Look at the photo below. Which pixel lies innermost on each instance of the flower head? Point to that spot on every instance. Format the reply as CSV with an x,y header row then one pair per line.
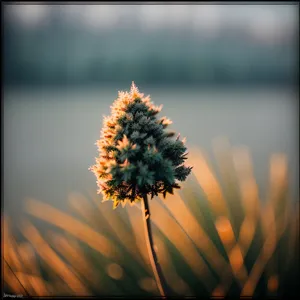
x,y
137,156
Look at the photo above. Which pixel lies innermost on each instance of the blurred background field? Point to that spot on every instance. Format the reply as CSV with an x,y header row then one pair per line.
x,y
154,44
218,70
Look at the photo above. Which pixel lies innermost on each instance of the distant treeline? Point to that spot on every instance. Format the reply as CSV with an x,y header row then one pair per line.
x,y
60,55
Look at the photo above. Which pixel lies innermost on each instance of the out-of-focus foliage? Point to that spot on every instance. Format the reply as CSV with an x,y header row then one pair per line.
x,y
218,240
59,52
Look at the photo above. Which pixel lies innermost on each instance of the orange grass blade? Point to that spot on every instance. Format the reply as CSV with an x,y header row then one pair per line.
x,y
51,258
10,247
208,182
263,258
27,254
247,233
12,258
136,223
247,183
78,229
192,228
294,234
278,177
74,255
183,244
123,232
228,177
148,284
12,281
38,285
120,228
277,205
234,253
177,284
82,206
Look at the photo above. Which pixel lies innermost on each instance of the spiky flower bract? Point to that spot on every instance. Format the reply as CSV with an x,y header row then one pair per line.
x,y
137,155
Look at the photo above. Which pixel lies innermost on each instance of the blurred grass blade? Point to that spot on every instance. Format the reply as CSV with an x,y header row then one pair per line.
x,y
38,286
120,229
177,284
234,253
173,232
14,283
294,233
73,254
193,229
247,183
277,203
266,253
208,182
52,259
82,207
80,230
134,215
247,233
10,247
228,180
28,256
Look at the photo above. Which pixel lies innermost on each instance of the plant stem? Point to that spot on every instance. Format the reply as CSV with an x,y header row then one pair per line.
x,y
160,280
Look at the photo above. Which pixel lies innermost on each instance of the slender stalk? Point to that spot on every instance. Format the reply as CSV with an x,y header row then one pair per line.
x,y
156,268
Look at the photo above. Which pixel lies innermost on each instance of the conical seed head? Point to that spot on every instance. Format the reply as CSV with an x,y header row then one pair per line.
x,y
137,155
